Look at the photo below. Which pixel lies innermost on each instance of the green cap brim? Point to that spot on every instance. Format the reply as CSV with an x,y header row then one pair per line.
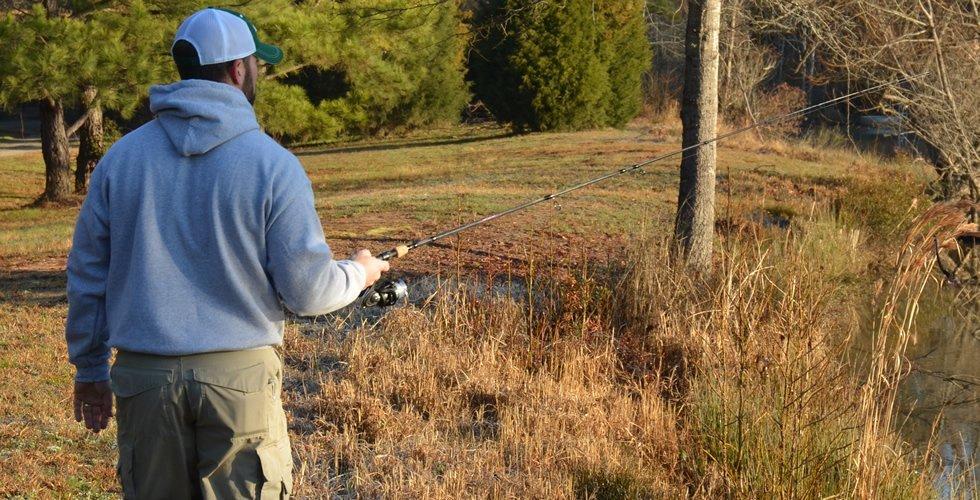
x,y
268,53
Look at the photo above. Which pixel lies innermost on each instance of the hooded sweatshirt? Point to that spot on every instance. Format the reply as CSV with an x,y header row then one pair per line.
x,y
197,229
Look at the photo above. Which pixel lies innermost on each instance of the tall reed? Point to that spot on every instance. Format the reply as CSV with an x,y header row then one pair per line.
x,y
619,383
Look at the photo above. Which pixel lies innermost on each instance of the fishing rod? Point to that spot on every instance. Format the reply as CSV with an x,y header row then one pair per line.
x,y
388,293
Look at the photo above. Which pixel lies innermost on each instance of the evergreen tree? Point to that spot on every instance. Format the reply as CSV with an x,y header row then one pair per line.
x,y
401,65
625,52
56,54
122,57
560,64
361,67
557,58
35,62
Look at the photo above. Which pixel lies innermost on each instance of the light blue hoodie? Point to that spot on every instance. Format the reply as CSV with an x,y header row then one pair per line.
x,y
196,230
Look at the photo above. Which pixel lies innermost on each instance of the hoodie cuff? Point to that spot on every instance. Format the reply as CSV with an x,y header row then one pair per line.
x,y
95,373
361,275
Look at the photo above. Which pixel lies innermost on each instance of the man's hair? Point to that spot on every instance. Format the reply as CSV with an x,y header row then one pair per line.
x,y
189,67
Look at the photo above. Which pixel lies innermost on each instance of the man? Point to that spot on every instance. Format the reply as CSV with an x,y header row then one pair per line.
x,y
197,229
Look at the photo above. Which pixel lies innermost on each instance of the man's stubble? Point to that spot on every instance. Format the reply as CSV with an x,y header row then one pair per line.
x,y
248,85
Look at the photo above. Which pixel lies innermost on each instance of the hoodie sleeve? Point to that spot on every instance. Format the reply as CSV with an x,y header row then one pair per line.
x,y
88,269
309,281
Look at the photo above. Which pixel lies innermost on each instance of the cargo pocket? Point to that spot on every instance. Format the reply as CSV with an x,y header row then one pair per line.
x,y
124,470
130,382
139,401
277,478
235,399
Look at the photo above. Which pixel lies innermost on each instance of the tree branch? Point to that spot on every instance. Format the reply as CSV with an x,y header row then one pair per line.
x,y
291,69
70,131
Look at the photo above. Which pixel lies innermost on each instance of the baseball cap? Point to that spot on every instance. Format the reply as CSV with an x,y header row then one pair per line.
x,y
221,35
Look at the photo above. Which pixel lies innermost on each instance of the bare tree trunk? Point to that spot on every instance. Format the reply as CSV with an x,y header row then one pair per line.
x,y
54,147
694,226
91,145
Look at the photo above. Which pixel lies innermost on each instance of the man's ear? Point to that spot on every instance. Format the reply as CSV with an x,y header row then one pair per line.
x,y
237,72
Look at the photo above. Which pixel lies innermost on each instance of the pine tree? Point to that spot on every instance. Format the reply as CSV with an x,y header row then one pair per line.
x,y
557,58
559,65
122,57
34,60
54,54
360,67
625,52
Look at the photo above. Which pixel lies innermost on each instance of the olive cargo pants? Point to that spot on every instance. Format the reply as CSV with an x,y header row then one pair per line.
x,y
202,426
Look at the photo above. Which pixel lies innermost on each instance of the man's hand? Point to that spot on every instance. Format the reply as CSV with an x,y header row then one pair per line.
x,y
93,403
373,266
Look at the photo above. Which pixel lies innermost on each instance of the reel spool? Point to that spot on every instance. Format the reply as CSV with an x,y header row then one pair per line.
x,y
385,293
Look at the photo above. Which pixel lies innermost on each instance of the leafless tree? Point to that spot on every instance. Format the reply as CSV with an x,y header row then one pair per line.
x,y
746,62
933,44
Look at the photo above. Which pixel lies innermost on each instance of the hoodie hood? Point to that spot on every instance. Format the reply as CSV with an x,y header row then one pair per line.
x,y
200,115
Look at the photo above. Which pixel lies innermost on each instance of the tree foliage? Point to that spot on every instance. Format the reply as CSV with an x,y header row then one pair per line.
x,y
560,65
361,67
626,54
35,56
402,61
55,52
117,49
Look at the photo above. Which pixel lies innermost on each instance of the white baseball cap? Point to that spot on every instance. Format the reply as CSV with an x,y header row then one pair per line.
x,y
222,35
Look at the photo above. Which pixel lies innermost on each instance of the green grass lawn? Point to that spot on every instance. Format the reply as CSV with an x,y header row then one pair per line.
x,y
407,188
376,193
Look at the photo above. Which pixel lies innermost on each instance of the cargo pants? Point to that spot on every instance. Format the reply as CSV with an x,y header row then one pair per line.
x,y
202,426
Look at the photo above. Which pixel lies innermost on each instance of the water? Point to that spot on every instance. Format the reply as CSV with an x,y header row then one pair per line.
x,y
941,394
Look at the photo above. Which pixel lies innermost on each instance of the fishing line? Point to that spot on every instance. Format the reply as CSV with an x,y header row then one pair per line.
x,y
388,292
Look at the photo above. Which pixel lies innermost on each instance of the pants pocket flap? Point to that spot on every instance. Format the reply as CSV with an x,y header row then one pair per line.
x,y
250,379
269,459
277,475
128,382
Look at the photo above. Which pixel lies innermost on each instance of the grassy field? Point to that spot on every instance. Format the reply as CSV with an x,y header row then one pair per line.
x,y
606,374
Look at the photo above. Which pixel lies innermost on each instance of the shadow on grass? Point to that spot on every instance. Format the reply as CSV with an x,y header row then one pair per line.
x,y
73,201
32,288
392,145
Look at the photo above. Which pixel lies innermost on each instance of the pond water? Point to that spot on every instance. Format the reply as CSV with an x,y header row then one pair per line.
x,y
941,395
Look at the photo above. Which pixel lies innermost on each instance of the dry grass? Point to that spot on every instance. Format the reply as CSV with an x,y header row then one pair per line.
x,y
614,380
475,394
641,382
43,452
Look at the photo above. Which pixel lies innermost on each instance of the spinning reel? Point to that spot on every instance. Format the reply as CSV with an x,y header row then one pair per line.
x,y
385,293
